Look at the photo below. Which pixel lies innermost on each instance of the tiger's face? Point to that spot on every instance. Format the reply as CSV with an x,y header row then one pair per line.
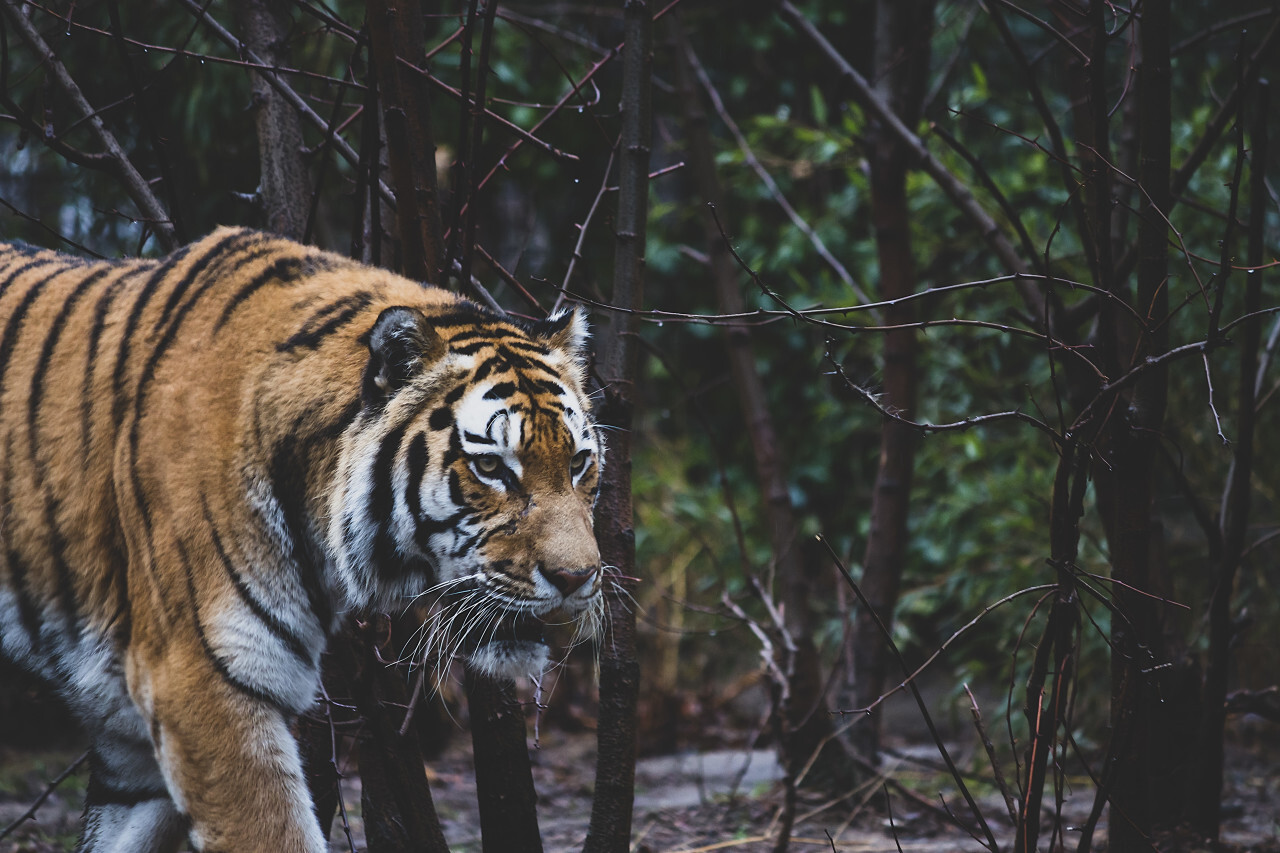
x,y
468,481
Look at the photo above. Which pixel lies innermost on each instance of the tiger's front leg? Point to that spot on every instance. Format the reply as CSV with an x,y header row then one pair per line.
x,y
229,759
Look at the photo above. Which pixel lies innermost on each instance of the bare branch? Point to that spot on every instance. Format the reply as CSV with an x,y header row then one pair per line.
x,y
754,162
271,74
949,183
137,186
49,789
990,840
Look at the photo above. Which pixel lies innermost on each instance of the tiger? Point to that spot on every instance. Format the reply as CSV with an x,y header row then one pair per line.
x,y
208,460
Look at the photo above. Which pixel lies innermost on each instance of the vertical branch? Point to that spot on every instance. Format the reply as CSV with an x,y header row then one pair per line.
x,y
282,182
147,112
152,209
476,114
398,810
1124,475
1057,645
396,33
610,829
902,63
504,777
808,724
1205,795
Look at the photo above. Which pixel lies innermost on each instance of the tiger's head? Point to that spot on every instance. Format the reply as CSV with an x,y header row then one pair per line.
x,y
469,478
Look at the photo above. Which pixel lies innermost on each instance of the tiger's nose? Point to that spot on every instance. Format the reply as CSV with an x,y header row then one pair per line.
x,y
567,581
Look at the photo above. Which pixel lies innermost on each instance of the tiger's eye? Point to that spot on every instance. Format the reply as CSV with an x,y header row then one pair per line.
x,y
487,464
579,462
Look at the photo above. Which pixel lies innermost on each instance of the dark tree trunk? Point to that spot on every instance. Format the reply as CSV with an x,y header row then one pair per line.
x,y
1125,477
611,809
903,30
397,40
1205,780
504,777
808,721
399,814
282,181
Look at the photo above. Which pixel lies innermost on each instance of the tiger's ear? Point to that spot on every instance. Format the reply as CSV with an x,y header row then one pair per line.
x,y
400,342
567,331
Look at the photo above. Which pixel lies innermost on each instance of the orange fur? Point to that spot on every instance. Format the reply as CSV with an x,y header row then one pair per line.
x,y
205,460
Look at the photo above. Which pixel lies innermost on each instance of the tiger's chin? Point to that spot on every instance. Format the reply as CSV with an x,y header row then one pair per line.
x,y
515,648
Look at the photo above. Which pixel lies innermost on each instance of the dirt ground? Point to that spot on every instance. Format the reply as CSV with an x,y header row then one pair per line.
x,y
690,803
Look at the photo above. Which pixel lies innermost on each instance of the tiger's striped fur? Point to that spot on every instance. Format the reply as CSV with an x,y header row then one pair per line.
x,y
206,459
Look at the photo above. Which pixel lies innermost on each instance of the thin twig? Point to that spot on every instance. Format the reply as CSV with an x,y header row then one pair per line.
x,y
1009,801
937,652
157,217
990,842
271,74
765,178
954,188
48,790
1217,421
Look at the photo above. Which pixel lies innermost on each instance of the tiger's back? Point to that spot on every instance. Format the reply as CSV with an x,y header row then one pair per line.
x,y
206,459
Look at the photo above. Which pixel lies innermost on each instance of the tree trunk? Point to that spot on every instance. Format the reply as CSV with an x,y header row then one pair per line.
x,y
282,182
808,724
397,36
1205,781
611,808
399,815
504,777
903,30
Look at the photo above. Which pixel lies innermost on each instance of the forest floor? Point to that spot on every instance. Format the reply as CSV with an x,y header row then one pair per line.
x,y
724,800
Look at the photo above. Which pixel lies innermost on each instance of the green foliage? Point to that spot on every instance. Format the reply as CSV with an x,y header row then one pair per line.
x,y
980,497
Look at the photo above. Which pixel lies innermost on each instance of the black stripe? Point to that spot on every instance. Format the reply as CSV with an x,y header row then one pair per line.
x,y
526,347
219,665
548,386
386,557
469,349
468,543
428,527
311,335
246,290
441,418
382,496
27,267
417,461
489,365
46,354
478,439
228,243
500,391
282,269
28,614
9,339
149,369
455,489
18,250
288,489
131,324
281,631
100,311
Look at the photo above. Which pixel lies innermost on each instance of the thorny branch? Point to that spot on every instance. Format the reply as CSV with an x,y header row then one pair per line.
x,y
48,791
